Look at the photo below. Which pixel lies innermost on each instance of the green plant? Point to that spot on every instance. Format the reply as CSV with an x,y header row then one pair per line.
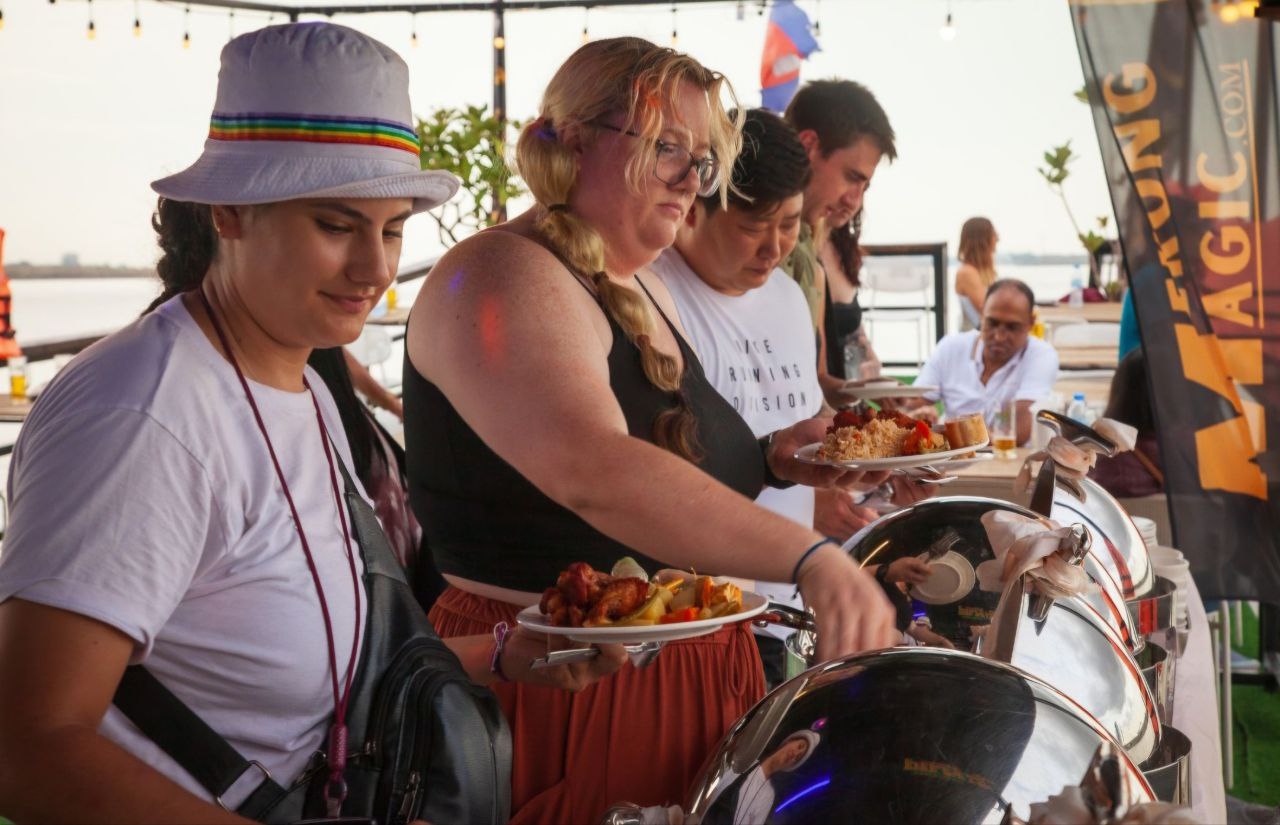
x,y
1055,173
470,143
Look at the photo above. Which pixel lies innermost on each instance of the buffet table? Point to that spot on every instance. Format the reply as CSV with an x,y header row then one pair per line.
x,y
1195,707
1195,713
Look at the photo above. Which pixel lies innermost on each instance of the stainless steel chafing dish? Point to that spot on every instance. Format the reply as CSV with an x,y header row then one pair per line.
x,y
1066,643
1117,542
953,525
905,735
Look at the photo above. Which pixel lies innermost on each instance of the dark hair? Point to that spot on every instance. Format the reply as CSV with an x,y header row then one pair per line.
x,y
771,167
846,241
188,243
841,112
1012,283
1130,399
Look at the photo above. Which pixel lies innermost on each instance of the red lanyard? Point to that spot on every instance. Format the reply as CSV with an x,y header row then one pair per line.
x,y
336,789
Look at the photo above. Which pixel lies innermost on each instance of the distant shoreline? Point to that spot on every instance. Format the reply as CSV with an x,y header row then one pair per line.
x,y
24,271
21,272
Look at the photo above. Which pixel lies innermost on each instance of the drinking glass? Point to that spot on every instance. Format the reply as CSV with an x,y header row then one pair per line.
x,y
18,378
1004,435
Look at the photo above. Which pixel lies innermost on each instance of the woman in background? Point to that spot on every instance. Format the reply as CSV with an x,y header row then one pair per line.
x,y
977,271
849,354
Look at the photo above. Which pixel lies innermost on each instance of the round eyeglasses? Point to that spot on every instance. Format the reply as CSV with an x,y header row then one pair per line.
x,y
675,162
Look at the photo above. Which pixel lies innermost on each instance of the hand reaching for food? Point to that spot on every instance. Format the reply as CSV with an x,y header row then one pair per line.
x,y
907,570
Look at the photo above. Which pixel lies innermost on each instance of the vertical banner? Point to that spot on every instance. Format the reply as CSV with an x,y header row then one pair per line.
x,y
1184,104
787,42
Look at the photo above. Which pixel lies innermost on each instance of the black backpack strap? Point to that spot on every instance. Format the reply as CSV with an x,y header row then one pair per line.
x,y
178,731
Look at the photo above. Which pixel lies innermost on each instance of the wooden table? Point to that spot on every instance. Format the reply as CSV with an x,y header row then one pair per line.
x,y
1088,358
991,477
13,411
391,318
1107,312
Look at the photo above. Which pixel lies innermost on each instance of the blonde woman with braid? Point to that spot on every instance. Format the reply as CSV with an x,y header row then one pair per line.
x,y
977,270
554,413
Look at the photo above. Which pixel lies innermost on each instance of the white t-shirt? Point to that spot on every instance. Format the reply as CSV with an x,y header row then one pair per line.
x,y
142,495
758,350
955,367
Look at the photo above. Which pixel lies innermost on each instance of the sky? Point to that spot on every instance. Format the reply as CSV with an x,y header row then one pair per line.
x,y
85,125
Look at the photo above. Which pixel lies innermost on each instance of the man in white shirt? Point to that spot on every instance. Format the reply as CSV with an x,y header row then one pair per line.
x,y
746,318
979,370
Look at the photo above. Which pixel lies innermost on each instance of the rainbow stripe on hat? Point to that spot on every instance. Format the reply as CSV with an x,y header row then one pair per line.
x,y
312,129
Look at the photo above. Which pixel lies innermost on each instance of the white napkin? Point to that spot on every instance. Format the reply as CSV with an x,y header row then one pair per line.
x,y
1026,546
1159,813
1070,808
1076,460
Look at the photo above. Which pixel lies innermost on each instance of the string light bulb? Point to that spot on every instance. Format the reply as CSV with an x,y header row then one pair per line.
x,y
186,28
948,30
675,34
499,42
817,19
1,18
1229,13
586,25
413,30
92,31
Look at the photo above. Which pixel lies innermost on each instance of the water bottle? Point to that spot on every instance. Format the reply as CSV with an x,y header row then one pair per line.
x,y
1078,409
1077,291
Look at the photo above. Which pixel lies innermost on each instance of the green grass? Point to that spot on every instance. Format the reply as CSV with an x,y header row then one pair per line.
x,y
1256,731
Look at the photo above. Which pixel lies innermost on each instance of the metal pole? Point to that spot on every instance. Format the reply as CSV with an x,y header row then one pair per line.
x,y
498,210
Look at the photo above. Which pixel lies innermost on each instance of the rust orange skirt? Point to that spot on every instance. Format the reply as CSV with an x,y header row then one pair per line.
x,y
639,736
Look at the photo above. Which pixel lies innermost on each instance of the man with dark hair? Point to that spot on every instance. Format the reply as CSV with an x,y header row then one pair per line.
x,y
748,321
845,134
977,371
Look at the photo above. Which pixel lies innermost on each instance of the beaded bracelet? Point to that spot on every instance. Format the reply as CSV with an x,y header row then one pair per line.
x,y
795,573
500,631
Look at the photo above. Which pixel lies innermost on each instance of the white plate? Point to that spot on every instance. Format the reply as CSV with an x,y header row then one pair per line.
x,y
809,455
951,579
865,392
532,618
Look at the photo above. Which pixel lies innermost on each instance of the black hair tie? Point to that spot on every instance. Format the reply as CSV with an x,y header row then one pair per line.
x,y
558,207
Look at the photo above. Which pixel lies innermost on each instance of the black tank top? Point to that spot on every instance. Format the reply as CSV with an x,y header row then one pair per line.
x,y
484,521
841,321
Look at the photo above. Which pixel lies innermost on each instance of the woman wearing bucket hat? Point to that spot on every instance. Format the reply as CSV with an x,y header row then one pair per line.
x,y
175,492
555,414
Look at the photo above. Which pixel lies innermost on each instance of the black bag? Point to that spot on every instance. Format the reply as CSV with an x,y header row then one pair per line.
x,y
425,742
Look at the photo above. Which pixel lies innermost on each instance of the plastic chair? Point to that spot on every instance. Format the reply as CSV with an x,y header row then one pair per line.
x,y
903,290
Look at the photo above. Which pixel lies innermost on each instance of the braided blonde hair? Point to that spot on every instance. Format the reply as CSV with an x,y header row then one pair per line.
x,y
633,77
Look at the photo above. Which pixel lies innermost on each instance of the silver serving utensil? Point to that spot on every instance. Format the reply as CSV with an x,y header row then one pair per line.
x,y
928,474
640,654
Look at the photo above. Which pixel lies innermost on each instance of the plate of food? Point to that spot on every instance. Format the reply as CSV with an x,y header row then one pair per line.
x,y
627,606
882,388
881,440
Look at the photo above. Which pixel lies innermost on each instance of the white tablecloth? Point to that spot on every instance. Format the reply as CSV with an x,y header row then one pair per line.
x,y
1195,713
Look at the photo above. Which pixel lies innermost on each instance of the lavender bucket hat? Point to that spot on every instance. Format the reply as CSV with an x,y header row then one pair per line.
x,y
309,110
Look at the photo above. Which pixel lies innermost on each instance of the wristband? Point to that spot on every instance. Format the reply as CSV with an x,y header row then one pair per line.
x,y
500,631
770,479
795,573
